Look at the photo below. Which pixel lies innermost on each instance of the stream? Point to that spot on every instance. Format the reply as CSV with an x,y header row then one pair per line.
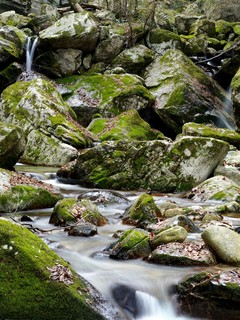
x,y
150,283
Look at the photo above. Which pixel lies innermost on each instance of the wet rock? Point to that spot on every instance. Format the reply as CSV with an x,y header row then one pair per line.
x,y
19,192
194,253
84,229
69,211
133,244
104,197
142,212
158,165
218,188
224,242
173,234
211,294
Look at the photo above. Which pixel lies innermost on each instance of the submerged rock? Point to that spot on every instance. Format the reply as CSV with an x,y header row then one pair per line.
x,y
32,276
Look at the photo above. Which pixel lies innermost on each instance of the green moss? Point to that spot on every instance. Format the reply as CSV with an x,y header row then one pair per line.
x,y
61,214
22,197
26,290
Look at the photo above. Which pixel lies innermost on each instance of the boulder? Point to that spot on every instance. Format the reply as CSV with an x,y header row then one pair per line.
x,y
230,167
19,192
218,188
82,229
12,144
59,63
222,9
46,119
202,130
14,19
224,242
34,293
105,197
160,40
235,89
194,253
12,41
76,30
70,211
211,294
184,93
142,212
174,234
128,125
133,244
112,93
157,165
108,49
134,60
9,75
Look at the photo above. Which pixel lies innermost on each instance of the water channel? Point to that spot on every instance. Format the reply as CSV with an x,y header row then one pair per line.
x,y
151,283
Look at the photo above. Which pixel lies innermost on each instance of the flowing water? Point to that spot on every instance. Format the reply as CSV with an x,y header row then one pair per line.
x,y
30,50
150,284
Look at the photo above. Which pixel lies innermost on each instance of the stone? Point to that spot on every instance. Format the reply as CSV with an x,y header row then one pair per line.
x,y
174,234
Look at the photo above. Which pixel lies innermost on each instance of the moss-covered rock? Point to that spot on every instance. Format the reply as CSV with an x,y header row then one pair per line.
x,y
214,294
201,130
218,188
160,40
29,289
133,244
174,234
12,144
128,125
37,105
76,30
113,94
142,212
69,211
157,165
9,75
230,166
184,93
134,60
109,48
19,193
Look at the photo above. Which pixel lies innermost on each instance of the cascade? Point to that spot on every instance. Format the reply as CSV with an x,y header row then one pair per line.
x,y
30,50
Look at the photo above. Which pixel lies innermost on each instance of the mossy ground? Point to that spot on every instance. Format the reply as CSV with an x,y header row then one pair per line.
x,y
26,290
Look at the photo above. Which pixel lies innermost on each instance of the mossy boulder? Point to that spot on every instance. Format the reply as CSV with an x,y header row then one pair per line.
x,y
235,88
11,18
202,130
184,93
37,107
142,212
112,93
160,40
12,41
194,253
76,30
222,10
9,75
128,125
224,242
218,188
70,211
12,144
157,165
174,234
18,193
230,166
134,60
214,294
133,244
203,26
38,284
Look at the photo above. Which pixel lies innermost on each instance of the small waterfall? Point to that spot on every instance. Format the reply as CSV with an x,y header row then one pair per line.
x,y
150,308
30,50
